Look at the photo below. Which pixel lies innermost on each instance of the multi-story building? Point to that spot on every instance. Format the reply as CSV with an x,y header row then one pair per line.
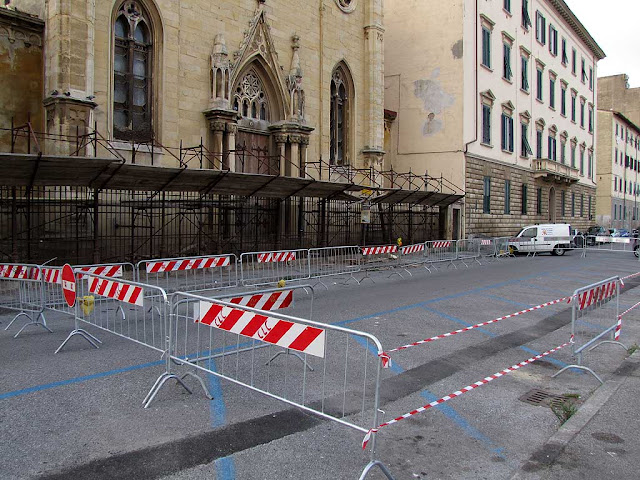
x,y
500,96
618,171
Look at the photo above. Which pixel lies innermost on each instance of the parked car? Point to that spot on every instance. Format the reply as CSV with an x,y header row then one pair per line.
x,y
618,232
596,231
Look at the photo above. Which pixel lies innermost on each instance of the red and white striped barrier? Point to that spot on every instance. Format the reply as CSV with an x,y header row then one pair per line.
x,y
379,250
294,336
485,242
619,324
52,275
466,389
413,249
446,244
104,270
188,264
597,294
266,301
17,272
385,355
270,257
119,291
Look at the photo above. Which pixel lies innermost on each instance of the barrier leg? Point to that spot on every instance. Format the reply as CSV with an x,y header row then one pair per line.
x,y
162,379
579,367
375,463
84,334
615,342
35,322
286,351
199,378
320,282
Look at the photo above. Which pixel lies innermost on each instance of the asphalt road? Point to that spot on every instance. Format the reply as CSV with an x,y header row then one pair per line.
x,y
78,414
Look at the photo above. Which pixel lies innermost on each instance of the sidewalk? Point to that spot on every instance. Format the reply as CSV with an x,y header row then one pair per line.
x,y
600,440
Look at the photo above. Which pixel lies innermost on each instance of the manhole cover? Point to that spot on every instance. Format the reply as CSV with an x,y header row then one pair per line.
x,y
540,397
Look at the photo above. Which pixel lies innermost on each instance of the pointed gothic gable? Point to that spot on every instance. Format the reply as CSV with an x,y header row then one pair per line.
x,y
258,44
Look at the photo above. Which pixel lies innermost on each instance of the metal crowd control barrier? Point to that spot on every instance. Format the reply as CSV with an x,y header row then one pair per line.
x,y
334,262
263,268
604,243
594,316
377,257
343,387
53,298
487,247
190,274
502,247
21,290
412,256
440,251
468,251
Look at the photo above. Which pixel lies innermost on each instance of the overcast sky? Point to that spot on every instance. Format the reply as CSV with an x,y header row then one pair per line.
x,y
614,25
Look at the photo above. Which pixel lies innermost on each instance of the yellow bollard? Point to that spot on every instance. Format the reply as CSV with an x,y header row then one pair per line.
x,y
87,303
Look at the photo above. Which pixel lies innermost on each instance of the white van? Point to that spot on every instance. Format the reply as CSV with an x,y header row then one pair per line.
x,y
553,238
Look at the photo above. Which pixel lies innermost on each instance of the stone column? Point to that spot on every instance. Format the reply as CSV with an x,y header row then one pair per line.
x,y
374,81
218,127
295,155
232,129
304,144
281,143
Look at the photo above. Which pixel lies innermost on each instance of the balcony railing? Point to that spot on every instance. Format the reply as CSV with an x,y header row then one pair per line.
x,y
554,171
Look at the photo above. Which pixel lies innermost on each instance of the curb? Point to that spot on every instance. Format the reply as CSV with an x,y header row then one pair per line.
x,y
551,450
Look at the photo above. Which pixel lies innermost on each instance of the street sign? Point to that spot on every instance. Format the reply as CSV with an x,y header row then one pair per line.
x,y
69,285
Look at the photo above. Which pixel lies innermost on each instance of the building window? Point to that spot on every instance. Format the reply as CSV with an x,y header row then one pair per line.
x,y
552,146
582,100
573,204
552,92
615,157
523,207
563,150
132,74
553,40
582,161
339,116
584,72
538,143
565,58
524,72
539,83
563,203
573,106
539,201
590,166
506,62
486,124
507,132
507,196
590,119
249,98
541,28
573,155
591,78
582,205
563,100
526,20
486,200
507,5
525,148
486,47
574,60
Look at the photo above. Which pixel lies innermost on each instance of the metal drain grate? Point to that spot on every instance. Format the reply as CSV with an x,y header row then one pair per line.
x,y
540,397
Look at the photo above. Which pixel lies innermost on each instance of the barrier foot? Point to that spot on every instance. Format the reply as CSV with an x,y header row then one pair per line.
x,y
16,317
319,282
579,367
43,325
395,273
162,379
451,264
199,378
286,351
372,465
84,334
364,278
615,342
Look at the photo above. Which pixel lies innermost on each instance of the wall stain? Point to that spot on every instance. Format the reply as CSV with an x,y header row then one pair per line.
x,y
457,49
435,101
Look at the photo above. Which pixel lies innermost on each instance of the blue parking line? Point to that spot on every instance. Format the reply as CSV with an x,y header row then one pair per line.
x,y
445,409
506,300
225,467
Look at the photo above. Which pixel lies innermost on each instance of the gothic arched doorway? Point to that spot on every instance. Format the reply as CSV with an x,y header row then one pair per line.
x,y
552,205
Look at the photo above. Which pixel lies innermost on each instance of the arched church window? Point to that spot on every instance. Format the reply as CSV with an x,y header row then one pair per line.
x,y
250,93
132,73
339,116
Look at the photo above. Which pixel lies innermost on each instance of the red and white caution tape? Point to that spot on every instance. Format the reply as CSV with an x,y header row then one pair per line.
x,y
413,249
104,270
120,291
385,362
379,250
466,389
616,334
188,264
631,276
271,257
294,336
440,244
266,301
